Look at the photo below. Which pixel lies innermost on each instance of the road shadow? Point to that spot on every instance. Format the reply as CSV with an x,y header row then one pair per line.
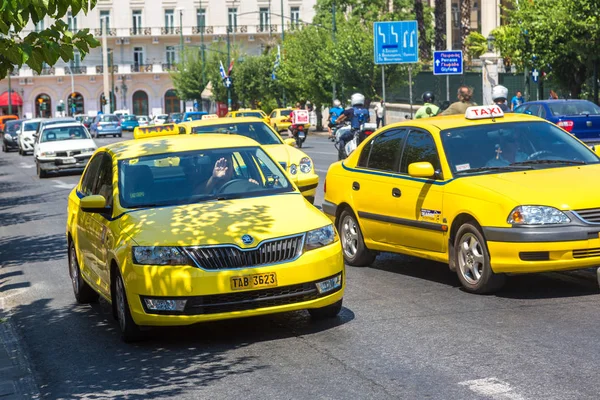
x,y
19,250
416,268
37,199
16,218
77,351
64,172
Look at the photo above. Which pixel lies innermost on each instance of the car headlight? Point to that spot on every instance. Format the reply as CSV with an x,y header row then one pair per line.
x,y
158,255
7,136
306,165
537,215
90,150
47,153
293,169
320,237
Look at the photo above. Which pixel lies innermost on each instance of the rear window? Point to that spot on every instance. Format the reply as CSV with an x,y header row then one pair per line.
x,y
574,108
109,118
130,118
251,114
286,113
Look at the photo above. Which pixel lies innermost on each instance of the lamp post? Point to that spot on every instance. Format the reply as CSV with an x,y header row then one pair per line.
x,y
202,27
228,64
9,92
180,33
123,91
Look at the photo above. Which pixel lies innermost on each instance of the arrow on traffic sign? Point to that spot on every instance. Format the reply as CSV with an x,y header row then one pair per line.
x,y
437,62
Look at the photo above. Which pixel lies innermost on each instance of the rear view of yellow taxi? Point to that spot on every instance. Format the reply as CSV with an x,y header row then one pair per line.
x,y
178,230
487,193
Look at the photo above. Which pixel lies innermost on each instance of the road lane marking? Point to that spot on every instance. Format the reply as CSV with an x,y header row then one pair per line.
x,y
25,165
492,388
323,171
63,185
332,153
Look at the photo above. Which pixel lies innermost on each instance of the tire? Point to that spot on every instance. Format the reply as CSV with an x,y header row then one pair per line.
x,y
130,331
472,261
120,135
4,149
299,143
327,312
40,172
83,292
355,252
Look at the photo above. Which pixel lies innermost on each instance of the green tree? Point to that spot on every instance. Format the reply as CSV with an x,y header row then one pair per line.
x,y
476,45
47,46
214,56
189,78
255,86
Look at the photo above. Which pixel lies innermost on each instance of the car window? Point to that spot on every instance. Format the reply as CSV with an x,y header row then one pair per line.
x,y
272,115
104,183
258,131
385,151
573,107
31,126
109,118
286,113
251,114
89,177
12,126
130,118
156,180
64,133
420,147
521,109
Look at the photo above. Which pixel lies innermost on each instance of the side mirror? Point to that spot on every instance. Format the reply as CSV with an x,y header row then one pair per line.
x,y
93,204
421,170
289,141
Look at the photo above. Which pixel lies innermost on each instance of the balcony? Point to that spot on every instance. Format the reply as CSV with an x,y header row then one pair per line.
x,y
170,30
100,69
45,71
141,67
78,70
208,30
109,32
169,67
140,31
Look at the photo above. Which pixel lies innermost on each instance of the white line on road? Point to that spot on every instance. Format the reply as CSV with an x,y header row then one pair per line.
x,y
323,171
63,185
25,165
332,153
492,388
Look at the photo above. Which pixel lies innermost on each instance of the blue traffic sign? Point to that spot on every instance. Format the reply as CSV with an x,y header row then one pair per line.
x,y
448,62
535,75
396,42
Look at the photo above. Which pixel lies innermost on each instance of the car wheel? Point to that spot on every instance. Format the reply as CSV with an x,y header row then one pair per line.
x,y
353,245
472,262
130,331
120,135
40,172
83,292
327,312
4,148
275,128
20,151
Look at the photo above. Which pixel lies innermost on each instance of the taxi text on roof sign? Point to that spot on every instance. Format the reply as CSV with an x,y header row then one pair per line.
x,y
210,116
483,112
142,132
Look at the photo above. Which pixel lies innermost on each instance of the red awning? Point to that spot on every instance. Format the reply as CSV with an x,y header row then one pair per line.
x,y
15,99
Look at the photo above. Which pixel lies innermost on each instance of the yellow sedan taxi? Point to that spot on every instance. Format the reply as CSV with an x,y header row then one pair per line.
x,y
297,163
487,193
177,230
280,119
247,112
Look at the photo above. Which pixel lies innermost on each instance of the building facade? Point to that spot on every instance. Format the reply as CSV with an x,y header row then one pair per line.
x,y
144,39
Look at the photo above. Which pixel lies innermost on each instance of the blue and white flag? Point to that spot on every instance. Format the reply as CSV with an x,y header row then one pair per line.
x,y
276,65
222,70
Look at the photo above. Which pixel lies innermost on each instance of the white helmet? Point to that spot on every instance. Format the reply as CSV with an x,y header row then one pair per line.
x,y
357,99
499,92
337,103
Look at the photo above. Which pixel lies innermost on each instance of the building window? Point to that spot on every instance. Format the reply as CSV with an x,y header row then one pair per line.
x,y
137,22
201,18
39,26
295,15
263,13
232,13
169,20
105,16
171,55
76,61
138,58
72,21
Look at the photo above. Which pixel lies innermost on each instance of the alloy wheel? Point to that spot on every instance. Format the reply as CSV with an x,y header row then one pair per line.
x,y
74,269
121,304
471,260
349,236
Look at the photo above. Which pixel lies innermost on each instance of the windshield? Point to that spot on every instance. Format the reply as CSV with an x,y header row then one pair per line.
x,y
250,114
573,107
258,131
513,145
12,126
64,133
31,126
197,176
130,118
176,116
109,118
194,117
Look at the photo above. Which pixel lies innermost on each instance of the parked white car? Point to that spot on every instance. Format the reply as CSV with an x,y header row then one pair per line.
x,y
65,146
25,136
143,120
160,119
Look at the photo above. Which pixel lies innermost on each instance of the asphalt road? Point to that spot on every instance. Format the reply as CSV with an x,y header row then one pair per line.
x,y
407,330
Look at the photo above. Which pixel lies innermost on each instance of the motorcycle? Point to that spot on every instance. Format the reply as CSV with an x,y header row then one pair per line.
x,y
298,134
346,147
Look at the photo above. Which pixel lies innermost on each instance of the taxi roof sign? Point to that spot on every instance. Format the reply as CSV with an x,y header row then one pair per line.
x,y
142,132
484,112
210,116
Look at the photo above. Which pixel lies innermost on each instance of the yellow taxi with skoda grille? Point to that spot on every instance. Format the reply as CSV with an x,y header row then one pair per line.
x,y
174,230
486,192
297,163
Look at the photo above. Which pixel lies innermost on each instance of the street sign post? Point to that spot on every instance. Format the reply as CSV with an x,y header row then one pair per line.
x,y
396,42
448,62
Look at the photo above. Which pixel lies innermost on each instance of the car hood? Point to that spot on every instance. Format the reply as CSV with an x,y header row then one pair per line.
x,y
223,222
282,153
566,188
67,145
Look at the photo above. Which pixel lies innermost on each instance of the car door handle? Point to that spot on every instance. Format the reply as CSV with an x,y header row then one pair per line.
x,y
396,192
355,186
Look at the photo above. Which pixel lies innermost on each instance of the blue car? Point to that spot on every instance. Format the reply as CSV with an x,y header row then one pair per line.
x,y
579,117
184,117
106,125
129,123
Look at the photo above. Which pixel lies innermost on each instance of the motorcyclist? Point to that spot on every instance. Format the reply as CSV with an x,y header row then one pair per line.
x,y
429,109
357,115
334,112
291,119
500,96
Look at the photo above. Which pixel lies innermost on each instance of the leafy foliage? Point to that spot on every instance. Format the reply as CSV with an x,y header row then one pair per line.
x,y
189,79
47,46
476,44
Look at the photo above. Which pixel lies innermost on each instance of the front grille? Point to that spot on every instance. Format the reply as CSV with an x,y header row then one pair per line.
x,y
230,257
589,214
586,253
68,153
534,255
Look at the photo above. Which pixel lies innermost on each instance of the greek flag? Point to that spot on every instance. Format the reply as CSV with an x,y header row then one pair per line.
x,y
276,65
222,70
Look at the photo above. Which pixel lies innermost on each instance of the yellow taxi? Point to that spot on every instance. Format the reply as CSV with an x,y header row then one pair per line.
x,y
280,119
487,193
178,230
247,112
297,163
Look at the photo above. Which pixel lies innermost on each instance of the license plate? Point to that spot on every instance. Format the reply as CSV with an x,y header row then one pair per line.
x,y
69,160
301,134
254,281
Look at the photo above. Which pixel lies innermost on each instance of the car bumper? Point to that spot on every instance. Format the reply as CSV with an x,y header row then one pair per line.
x,y
26,145
109,132
11,144
543,249
210,298
62,163
307,184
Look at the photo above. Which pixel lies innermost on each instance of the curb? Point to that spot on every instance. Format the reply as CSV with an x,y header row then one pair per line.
x,y
16,376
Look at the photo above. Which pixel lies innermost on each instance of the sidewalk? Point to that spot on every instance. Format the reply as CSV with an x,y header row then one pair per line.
x,y
16,377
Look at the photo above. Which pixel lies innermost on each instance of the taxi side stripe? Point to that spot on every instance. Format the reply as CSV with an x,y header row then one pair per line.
x,y
396,175
406,222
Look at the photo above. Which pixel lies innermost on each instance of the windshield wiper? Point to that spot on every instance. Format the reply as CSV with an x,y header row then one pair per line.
x,y
534,162
511,167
